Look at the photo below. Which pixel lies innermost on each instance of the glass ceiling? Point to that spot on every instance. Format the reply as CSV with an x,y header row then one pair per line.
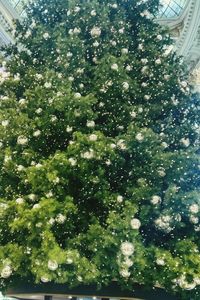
x,y
168,9
18,5
171,8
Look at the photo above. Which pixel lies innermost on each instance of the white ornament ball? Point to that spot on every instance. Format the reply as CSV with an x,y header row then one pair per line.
x,y
124,51
52,265
158,61
127,248
95,32
139,137
93,137
114,5
135,223
36,133
119,199
159,37
5,123
60,218
69,261
46,35
69,129
144,61
77,9
47,85
22,140
6,271
185,142
77,95
113,43
194,220
194,208
164,145
125,273
155,200
147,97
93,13
160,262
45,279
19,200
128,262
184,84
161,172
128,68
38,110
125,86
114,67
90,124
79,278
197,280
96,44
72,161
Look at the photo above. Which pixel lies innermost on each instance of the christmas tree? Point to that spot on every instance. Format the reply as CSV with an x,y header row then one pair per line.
x,y
99,150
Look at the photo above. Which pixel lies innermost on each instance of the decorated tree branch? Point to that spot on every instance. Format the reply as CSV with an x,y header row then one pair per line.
x,y
99,152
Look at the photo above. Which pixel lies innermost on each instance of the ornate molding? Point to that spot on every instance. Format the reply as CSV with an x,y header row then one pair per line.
x,y
186,32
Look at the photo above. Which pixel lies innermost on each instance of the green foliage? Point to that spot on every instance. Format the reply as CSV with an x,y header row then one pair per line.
x,y
99,150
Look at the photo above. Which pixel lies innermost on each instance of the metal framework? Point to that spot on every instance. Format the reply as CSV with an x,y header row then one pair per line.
x,y
171,8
